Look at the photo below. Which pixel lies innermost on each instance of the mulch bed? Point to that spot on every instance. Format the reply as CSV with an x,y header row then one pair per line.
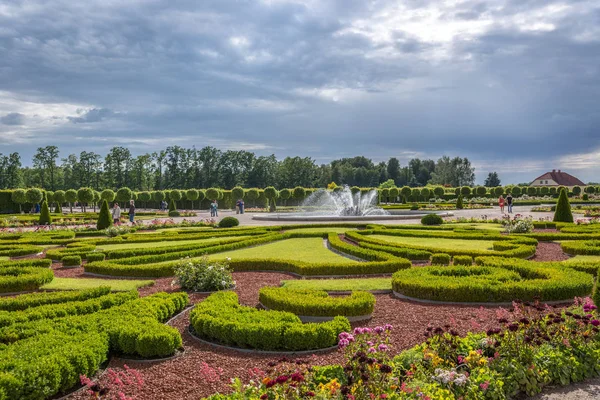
x,y
549,251
181,378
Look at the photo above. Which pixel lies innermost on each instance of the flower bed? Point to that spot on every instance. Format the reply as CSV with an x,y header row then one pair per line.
x,y
222,319
316,303
492,284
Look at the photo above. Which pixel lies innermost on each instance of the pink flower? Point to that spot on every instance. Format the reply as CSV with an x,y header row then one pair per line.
x,y
371,350
382,347
484,385
379,329
595,322
343,343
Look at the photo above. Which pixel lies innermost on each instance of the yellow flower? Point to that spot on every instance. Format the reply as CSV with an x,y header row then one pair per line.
x,y
265,380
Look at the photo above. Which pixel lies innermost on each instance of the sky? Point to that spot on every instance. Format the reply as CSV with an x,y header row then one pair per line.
x,y
514,85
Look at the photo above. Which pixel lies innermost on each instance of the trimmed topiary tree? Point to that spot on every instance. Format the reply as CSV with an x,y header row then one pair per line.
x,y
426,193
354,189
405,191
158,196
192,195
252,195
34,195
85,195
515,191
498,191
552,191
104,218
237,193
285,194
124,194
271,194
459,203
45,218
394,192
212,194
544,190
438,191
432,219
465,190
19,196
480,191
385,194
590,189
108,195
563,208
71,197
174,195
576,190
299,193
532,191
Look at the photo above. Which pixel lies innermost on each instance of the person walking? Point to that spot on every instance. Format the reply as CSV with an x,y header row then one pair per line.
x,y
242,204
131,211
237,206
501,203
509,203
116,214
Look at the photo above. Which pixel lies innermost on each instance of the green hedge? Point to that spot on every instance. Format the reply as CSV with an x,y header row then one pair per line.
x,y
440,259
81,251
462,260
95,257
127,253
588,247
71,261
502,283
22,279
403,252
589,267
316,303
17,250
26,301
222,319
47,356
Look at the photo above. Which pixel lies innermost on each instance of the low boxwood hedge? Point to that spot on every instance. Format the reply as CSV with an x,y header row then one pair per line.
x,y
483,284
589,267
440,259
316,303
586,247
462,260
71,261
17,250
220,318
95,256
403,252
81,251
26,301
22,279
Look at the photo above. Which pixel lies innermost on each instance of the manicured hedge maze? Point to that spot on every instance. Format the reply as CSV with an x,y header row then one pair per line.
x,y
24,275
588,247
221,319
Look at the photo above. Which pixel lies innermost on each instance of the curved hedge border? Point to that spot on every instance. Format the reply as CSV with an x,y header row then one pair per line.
x,y
403,252
81,251
26,301
24,275
589,267
316,303
222,319
18,250
503,246
587,247
486,284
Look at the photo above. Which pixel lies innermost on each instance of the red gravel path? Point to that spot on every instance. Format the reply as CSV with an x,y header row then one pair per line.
x,y
181,378
549,251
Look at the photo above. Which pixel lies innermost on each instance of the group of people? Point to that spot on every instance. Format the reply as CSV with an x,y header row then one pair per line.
x,y
508,201
116,213
239,206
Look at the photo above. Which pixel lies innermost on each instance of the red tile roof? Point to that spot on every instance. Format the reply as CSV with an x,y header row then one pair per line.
x,y
561,178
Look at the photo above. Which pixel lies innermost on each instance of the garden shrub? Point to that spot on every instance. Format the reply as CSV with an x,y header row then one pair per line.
x,y
563,208
71,261
462,260
459,203
432,219
96,256
502,283
26,301
316,303
587,247
440,259
228,222
19,276
222,319
104,218
45,218
81,250
204,275
403,252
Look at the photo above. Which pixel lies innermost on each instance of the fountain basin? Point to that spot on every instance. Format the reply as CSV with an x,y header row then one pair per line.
x,y
316,217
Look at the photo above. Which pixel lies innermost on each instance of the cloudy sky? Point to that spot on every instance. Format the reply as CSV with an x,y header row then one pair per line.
x,y
512,84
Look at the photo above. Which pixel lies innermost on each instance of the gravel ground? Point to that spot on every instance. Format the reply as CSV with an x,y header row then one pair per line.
x,y
549,251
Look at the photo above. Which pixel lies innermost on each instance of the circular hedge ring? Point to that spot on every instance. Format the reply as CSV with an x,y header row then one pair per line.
x,y
587,247
484,284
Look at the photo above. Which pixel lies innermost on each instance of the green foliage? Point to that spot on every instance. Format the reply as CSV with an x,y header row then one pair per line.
x,y
204,275
505,281
316,303
212,194
228,222
145,196
394,192
438,191
285,194
59,196
24,275
172,206
175,195
440,259
158,196
563,208
104,217
222,319
96,256
19,196
459,203
34,195
515,191
85,195
462,260
25,301
405,191
432,219
498,191
576,190
71,261
480,191
58,208
465,190
108,195
590,189
587,247
124,194
45,218
237,193
299,193
425,192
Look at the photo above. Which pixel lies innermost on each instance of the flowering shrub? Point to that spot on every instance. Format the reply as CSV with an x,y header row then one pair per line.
x,y
204,275
518,224
115,385
114,231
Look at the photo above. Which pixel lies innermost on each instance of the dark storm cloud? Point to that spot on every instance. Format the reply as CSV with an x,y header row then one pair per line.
x,y
13,119
495,81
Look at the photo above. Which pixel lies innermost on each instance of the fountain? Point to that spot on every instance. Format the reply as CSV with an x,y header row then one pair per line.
x,y
342,205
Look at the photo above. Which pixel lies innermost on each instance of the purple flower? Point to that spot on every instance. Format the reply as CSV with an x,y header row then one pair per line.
x,y
343,335
379,329
382,347
371,350
387,327
358,331
343,343
350,338
595,322
370,344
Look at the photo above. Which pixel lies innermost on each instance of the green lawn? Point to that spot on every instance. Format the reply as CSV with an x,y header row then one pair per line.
x,y
321,230
340,284
481,226
305,249
3,258
109,247
439,243
116,285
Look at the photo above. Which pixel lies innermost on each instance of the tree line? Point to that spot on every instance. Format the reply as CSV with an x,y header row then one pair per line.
x,y
181,168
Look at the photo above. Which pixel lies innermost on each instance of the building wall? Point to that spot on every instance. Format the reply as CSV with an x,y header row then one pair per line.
x,y
544,182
